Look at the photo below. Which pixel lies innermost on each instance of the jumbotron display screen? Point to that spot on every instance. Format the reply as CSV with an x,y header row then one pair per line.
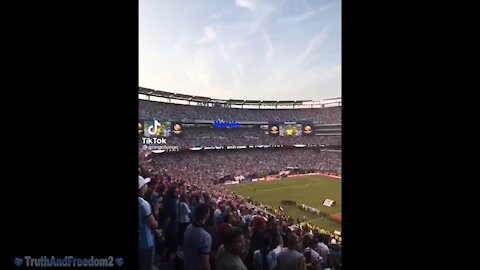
x,y
291,130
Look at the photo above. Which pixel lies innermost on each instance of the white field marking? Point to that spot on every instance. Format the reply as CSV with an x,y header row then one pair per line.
x,y
314,219
294,186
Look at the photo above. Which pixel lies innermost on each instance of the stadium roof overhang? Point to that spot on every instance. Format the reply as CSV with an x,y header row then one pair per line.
x,y
268,102
145,91
170,95
236,101
200,99
155,93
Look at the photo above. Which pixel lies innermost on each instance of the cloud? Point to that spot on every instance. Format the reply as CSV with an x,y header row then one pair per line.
x,y
268,45
308,83
208,35
199,76
315,41
233,49
253,49
291,20
238,74
223,53
334,72
248,4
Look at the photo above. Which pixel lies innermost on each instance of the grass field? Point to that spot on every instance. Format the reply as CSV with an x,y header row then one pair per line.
x,y
310,190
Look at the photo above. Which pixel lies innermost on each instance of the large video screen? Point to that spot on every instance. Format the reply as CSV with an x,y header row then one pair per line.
x,y
291,130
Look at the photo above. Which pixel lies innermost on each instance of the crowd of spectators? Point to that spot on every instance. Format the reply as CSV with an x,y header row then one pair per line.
x,y
213,165
177,112
221,231
205,136
189,220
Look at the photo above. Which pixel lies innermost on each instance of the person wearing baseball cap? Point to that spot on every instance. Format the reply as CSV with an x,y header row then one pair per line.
x,y
259,223
147,225
142,182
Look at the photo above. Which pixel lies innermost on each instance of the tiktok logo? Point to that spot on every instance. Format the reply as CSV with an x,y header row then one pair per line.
x,y
153,129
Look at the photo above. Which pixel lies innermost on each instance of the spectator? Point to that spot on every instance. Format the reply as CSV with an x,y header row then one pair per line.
x,y
322,249
197,241
335,261
152,197
312,258
219,235
147,225
183,217
170,225
260,239
228,255
273,254
290,258
193,205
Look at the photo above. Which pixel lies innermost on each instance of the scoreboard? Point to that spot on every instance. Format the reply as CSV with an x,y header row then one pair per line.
x,y
290,129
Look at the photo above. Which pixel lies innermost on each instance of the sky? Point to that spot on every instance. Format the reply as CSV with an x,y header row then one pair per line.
x,y
241,49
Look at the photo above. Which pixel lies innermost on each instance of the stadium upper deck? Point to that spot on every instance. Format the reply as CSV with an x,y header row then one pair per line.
x,y
166,105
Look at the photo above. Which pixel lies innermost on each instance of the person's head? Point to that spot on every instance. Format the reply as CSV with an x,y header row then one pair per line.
x,y
142,185
172,192
259,223
212,201
294,242
228,217
333,242
308,241
320,238
233,240
151,186
183,198
193,199
237,220
247,231
202,213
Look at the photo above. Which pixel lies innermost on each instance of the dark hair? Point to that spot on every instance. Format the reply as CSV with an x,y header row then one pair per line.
x,y
231,234
202,211
152,183
171,192
320,238
292,241
226,217
183,198
193,199
245,228
210,221
308,240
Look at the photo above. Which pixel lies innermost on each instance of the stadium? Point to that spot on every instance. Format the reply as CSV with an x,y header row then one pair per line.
x,y
248,160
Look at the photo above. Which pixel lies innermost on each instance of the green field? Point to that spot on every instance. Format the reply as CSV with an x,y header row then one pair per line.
x,y
310,190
